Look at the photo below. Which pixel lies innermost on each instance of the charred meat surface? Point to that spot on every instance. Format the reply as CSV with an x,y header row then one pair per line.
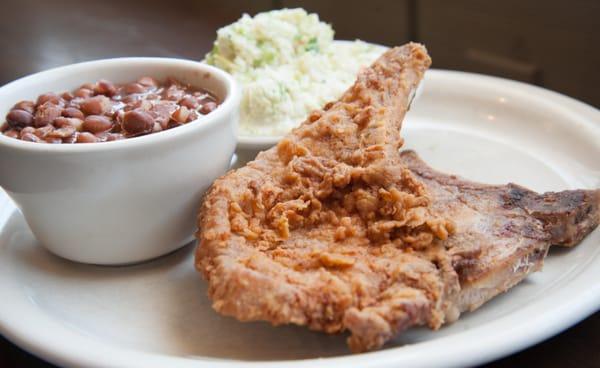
x,y
502,232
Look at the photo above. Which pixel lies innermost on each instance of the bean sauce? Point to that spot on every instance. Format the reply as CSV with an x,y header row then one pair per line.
x,y
105,111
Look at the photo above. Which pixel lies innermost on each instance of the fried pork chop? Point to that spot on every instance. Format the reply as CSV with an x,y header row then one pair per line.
x,y
332,230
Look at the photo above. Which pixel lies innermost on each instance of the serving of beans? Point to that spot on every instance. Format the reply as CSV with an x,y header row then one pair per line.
x,y
105,111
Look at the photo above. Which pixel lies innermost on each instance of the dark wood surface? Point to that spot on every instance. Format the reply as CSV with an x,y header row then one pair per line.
x,y
37,35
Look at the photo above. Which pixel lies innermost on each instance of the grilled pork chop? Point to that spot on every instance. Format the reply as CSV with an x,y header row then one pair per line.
x,y
330,229
503,232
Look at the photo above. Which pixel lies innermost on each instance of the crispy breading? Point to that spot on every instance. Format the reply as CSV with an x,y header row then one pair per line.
x,y
328,229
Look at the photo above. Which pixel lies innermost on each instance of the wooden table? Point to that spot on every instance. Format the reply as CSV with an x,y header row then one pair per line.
x,y
38,35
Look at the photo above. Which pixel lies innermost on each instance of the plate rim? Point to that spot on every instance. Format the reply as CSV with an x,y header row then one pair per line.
x,y
46,345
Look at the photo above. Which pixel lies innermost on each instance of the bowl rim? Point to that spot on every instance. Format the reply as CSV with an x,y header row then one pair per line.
x,y
230,102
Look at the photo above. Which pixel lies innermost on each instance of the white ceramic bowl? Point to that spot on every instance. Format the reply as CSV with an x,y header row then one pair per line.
x,y
124,201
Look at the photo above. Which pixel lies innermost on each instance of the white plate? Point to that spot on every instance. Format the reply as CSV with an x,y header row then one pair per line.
x,y
157,314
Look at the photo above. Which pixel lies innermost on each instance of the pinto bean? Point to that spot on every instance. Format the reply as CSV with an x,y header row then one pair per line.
x,y
137,122
96,124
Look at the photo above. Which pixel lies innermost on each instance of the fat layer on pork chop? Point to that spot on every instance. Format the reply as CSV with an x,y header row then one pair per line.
x,y
332,230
